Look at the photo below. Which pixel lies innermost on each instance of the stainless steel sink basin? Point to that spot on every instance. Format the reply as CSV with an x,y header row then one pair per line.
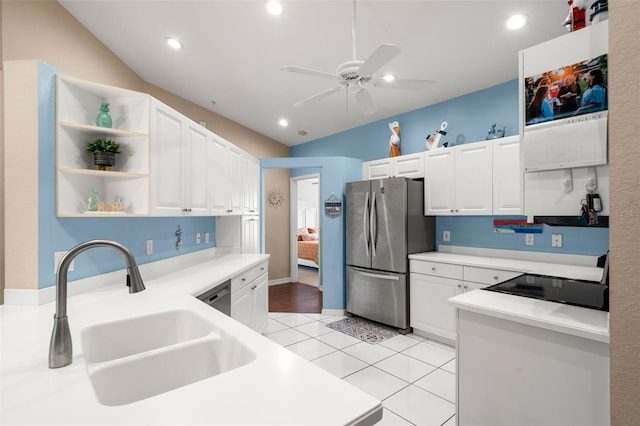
x,y
117,339
136,358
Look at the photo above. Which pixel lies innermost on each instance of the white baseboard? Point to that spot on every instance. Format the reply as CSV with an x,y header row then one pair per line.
x,y
279,281
333,312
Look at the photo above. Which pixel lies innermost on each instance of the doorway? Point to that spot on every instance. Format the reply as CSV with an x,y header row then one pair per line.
x,y
306,234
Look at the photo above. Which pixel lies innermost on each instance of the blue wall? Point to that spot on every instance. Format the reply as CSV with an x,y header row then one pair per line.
x,y
469,118
334,172
61,234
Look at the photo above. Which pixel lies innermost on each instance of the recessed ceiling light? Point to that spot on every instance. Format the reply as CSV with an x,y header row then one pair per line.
x,y
517,21
283,122
274,7
389,77
173,43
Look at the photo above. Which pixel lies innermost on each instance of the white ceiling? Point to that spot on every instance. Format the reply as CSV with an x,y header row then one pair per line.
x,y
233,51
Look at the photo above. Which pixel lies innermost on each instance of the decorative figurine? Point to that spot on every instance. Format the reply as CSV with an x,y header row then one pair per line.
x,y
104,119
92,201
434,139
496,134
394,139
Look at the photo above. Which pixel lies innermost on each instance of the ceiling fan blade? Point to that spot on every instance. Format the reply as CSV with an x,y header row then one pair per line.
x,y
400,83
366,103
381,56
307,71
317,96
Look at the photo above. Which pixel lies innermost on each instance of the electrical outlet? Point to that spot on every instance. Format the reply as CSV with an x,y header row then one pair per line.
x,y
529,239
206,237
198,238
556,240
446,236
149,247
58,257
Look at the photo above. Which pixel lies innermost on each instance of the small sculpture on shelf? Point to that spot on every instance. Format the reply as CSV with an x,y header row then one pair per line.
x,y
433,140
92,201
104,153
496,134
394,139
104,119
116,207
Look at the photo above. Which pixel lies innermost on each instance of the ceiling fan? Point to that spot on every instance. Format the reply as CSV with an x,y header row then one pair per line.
x,y
358,74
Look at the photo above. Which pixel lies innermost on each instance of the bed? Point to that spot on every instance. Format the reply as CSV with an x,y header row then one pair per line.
x,y
308,235
308,248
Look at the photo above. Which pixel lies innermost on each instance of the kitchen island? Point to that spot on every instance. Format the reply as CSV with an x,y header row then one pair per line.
x,y
276,386
530,362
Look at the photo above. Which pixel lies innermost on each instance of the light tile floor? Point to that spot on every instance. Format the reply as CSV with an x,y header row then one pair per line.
x,y
414,377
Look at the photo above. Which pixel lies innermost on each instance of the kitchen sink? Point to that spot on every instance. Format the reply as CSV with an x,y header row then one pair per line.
x,y
117,339
136,358
131,379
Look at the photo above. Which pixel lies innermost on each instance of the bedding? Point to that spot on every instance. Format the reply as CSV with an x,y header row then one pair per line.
x,y
309,250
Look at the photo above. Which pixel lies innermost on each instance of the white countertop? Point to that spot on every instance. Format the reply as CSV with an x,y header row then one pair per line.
x,y
277,388
582,322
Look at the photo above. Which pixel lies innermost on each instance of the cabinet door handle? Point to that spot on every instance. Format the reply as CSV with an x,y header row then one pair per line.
x,y
243,280
466,287
457,210
433,268
451,210
459,285
495,277
254,287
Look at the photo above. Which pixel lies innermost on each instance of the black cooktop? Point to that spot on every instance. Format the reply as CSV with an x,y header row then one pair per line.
x,y
587,294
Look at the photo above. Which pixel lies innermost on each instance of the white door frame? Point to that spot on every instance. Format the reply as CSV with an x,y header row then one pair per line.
x,y
293,220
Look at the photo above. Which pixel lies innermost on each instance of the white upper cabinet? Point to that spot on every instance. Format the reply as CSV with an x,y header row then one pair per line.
x,y
250,185
507,176
77,107
234,180
178,164
438,182
411,166
218,155
458,180
473,179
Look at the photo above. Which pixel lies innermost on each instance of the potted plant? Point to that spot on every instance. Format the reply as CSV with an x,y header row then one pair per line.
x,y
104,153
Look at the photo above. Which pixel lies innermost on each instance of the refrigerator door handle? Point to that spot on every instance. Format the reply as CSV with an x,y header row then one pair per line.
x,y
373,224
381,277
365,225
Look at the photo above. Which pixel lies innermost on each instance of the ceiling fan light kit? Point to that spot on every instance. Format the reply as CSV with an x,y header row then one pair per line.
x,y
358,74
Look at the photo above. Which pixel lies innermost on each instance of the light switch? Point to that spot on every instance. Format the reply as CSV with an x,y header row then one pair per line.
x,y
149,247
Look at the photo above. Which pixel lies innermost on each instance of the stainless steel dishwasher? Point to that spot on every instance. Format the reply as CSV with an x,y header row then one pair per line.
x,y
219,297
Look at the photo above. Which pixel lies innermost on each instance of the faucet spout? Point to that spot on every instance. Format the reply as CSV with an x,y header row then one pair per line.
x,y
60,348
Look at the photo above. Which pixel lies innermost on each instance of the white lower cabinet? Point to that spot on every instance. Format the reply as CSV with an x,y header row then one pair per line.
x,y
429,310
431,284
249,297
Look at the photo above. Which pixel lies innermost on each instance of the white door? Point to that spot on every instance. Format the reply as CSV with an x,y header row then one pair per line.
x,y
411,166
438,182
196,170
234,182
378,169
507,177
241,309
260,289
218,154
473,179
429,306
166,160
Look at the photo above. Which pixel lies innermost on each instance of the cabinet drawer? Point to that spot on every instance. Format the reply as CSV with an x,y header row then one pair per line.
x,y
487,275
446,270
244,278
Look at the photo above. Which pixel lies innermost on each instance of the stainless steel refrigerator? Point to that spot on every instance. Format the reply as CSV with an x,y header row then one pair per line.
x,y
385,224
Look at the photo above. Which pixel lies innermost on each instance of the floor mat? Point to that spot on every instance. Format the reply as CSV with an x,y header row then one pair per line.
x,y
362,329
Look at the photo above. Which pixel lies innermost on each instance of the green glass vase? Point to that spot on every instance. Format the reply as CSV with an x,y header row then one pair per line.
x,y
104,120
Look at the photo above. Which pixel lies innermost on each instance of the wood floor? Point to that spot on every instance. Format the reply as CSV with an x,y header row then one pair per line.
x,y
295,297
